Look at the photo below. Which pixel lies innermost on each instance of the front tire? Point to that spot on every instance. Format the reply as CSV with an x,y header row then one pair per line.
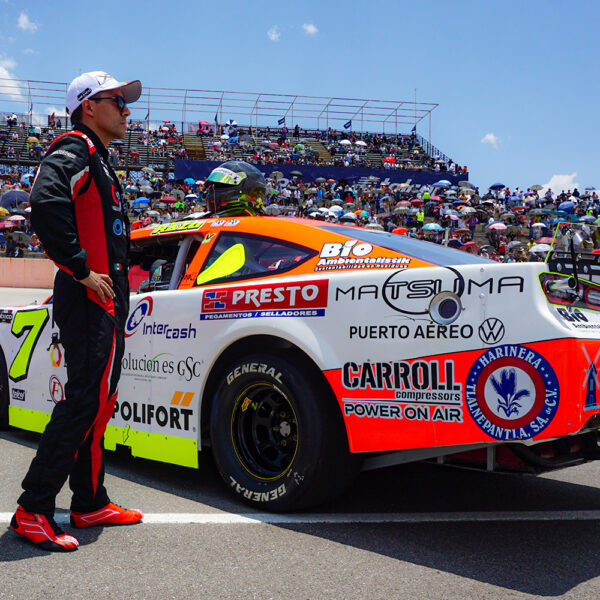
x,y
277,434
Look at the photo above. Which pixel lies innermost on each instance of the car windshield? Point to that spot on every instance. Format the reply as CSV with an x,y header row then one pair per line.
x,y
434,253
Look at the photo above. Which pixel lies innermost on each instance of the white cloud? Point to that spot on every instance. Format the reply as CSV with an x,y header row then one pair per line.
x,y
558,183
310,29
8,84
274,33
491,139
25,24
29,51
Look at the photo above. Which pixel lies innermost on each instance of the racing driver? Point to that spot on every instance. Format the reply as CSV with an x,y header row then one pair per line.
x,y
78,213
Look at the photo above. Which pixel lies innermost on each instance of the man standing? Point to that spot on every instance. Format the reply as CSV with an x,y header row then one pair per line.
x,y
77,210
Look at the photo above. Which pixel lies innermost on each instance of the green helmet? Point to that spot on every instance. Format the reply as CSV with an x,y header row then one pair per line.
x,y
238,189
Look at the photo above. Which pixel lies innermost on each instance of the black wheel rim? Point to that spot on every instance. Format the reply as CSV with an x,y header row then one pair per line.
x,y
264,430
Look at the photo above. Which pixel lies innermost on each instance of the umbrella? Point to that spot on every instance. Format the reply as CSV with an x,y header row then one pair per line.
x,y
148,170
454,243
131,189
399,230
360,143
538,225
535,188
539,248
140,201
436,198
376,226
153,213
272,209
513,244
401,209
587,219
320,180
498,226
299,146
168,199
544,240
416,201
146,188
276,174
433,227
191,197
470,247
16,218
13,197
497,186
33,139
467,210
7,224
443,183
295,173
568,205
118,143
189,181
231,122
465,184
345,142
224,137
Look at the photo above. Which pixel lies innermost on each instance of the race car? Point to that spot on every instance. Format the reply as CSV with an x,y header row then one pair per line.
x,y
301,351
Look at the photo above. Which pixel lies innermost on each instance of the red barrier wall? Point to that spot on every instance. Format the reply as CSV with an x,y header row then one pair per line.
x,y
26,272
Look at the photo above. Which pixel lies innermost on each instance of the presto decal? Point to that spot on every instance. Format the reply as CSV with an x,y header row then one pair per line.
x,y
302,299
512,392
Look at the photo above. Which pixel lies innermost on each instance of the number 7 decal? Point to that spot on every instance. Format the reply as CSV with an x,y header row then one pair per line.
x,y
32,321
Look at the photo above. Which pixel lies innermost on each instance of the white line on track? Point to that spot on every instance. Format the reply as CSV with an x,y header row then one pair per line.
x,y
348,518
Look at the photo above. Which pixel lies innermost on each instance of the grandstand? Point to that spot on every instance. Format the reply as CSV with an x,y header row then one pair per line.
x,y
171,124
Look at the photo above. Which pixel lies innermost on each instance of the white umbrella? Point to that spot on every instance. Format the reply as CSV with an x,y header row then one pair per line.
x,y
535,188
224,137
337,208
540,248
360,143
152,213
374,226
148,170
538,225
272,209
345,142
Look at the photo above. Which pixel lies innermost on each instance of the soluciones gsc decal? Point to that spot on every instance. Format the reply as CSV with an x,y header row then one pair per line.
x,y
188,367
512,392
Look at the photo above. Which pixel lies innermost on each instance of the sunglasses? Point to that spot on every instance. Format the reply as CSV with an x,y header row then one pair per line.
x,y
121,104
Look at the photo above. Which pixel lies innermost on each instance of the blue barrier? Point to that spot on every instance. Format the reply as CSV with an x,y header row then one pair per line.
x,y
199,169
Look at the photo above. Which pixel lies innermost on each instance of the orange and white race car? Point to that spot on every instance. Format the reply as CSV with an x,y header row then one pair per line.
x,y
301,351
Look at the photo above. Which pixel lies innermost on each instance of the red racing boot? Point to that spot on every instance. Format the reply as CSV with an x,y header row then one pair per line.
x,y
42,531
111,514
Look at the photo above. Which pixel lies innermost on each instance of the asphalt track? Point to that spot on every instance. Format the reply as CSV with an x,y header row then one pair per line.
x,y
414,532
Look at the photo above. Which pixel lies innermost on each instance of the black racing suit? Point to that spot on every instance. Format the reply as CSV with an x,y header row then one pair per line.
x,y
78,213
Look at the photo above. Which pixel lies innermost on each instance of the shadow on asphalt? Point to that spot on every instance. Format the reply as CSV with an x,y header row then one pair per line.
x,y
546,558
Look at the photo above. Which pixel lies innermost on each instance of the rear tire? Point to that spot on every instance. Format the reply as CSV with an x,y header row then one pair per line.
x,y
278,436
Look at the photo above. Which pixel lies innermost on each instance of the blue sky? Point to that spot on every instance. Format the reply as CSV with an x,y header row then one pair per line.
x,y
516,81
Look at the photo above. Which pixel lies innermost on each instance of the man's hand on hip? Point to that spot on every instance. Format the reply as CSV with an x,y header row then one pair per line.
x,y
101,284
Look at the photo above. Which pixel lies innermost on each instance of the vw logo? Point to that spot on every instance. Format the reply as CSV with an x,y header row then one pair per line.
x,y
491,331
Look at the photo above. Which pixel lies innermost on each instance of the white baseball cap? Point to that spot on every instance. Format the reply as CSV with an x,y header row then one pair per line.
x,y
88,84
